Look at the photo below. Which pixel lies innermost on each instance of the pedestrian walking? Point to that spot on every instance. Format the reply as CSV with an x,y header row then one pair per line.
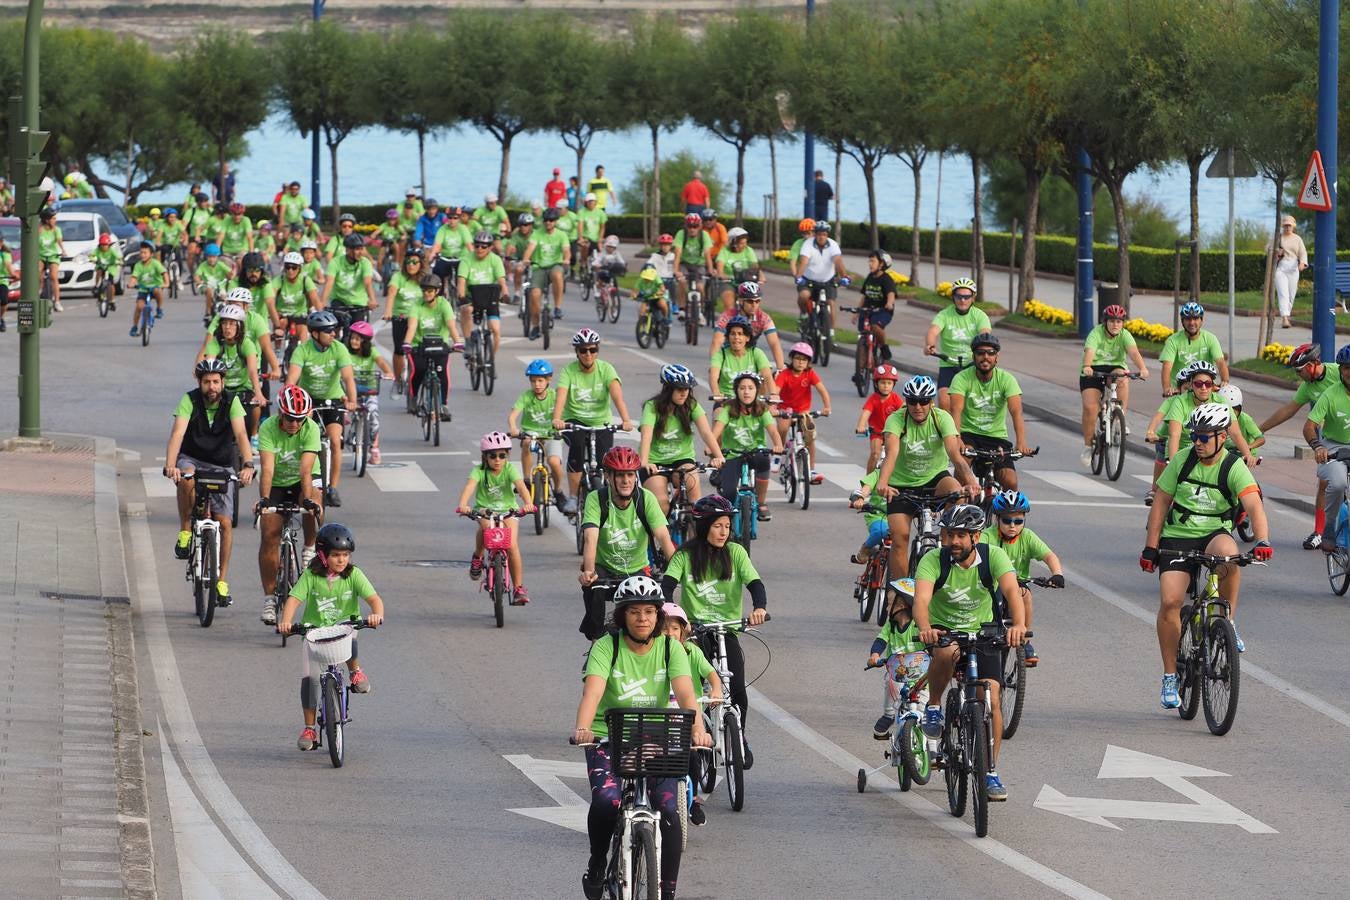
x,y
1291,257
555,190
821,197
695,194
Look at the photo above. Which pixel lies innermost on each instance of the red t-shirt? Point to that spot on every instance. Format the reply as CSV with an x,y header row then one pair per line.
x,y
554,191
881,408
795,388
695,192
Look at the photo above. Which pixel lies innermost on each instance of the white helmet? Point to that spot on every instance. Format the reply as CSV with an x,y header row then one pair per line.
x,y
612,240
737,232
292,259
233,312
1209,417
1232,393
240,295
308,245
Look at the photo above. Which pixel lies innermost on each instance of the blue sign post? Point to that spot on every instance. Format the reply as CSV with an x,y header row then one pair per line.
x,y
1324,251
314,139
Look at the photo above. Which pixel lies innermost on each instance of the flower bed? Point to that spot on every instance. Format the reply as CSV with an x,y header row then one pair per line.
x,y
1278,353
1047,313
1148,331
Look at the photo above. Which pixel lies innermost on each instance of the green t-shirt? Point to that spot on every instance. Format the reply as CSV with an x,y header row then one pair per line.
x,y
492,220
7,260
567,223
796,249
49,239
456,241
292,208
349,279
622,543
496,490
548,248
634,680
536,413
713,600
234,239
1183,405
328,601
214,275
986,405
265,243
433,319
730,365
313,268
923,453
149,274
1181,351
108,259
1022,551
670,440
900,640
1107,350
236,357
587,392
1251,432
962,604
1201,495
488,270
389,233
692,249
957,331
214,230
590,221
408,216
699,667
321,370
874,510
743,434
734,263
366,369
293,296
184,409
407,292
260,292
1309,391
1332,413
514,246
173,233
288,448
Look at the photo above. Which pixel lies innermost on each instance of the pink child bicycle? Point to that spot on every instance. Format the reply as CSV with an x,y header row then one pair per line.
x,y
496,547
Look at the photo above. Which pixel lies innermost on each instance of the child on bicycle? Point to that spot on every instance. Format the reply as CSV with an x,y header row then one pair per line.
x,y
1251,432
900,635
609,259
877,408
677,628
743,428
878,292
668,424
148,278
51,247
330,590
1009,532
874,516
489,488
368,365
107,261
650,291
794,394
532,414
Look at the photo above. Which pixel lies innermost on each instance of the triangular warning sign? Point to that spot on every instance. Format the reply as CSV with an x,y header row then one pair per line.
x,y
1315,193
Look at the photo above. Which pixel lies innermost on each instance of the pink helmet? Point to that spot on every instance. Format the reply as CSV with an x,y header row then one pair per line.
x,y
494,440
673,611
365,329
803,348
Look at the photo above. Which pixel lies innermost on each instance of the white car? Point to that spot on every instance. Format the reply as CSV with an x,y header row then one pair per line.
x,y
80,232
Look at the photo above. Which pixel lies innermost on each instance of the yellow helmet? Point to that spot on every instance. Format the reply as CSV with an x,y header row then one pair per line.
x,y
648,273
154,211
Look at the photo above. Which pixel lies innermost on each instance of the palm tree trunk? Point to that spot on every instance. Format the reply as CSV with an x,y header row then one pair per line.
x,y
740,182
1027,274
1115,186
422,161
869,176
916,169
333,161
656,182
977,227
1193,166
505,141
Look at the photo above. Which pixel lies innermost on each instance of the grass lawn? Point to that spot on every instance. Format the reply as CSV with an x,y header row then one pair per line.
x,y
1267,367
1251,302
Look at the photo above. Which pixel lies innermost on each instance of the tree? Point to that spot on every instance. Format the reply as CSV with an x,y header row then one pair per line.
x,y
315,85
678,169
573,99
406,58
650,61
223,86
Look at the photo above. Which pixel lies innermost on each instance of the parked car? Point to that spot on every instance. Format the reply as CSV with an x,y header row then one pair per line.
x,y
128,237
79,234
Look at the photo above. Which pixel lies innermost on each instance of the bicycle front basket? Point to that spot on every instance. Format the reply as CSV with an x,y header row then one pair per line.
x,y
330,645
650,742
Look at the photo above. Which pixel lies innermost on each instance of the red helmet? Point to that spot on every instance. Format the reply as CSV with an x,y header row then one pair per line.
x,y
294,402
693,219
1304,355
622,459
1114,311
666,239
236,207
104,239
887,371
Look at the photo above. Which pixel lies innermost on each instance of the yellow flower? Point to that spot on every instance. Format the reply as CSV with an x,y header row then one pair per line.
x,y
944,288
900,278
1047,313
780,255
1276,352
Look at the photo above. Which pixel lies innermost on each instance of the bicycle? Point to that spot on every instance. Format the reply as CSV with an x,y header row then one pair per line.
x,y
359,436
644,744
146,296
795,471
908,751
174,266
1108,437
326,444
652,326
679,520
1338,561
479,356
925,531
541,480
693,307
982,466
590,473
289,548
728,742
869,588
429,400
496,578
1208,664
330,646
607,301
744,518
1012,694
203,566
106,292
814,325
867,356
526,285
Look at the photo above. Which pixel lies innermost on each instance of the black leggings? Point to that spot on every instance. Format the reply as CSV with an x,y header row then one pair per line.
x,y
604,814
736,663
419,372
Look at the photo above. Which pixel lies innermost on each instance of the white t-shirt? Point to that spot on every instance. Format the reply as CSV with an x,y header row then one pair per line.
x,y
664,263
819,261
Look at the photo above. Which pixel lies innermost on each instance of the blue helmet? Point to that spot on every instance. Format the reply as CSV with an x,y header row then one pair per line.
x,y
1011,501
212,249
539,367
678,376
171,211
741,322
1192,310
1343,355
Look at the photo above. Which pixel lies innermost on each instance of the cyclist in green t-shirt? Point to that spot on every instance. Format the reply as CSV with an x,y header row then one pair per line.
x,y
1105,351
212,276
290,206
1314,378
982,398
51,248
107,261
1326,431
1201,377
390,235
293,296
513,250
323,367
480,286
951,332
489,488
550,254
1194,511
368,367
350,287
531,418
346,225
586,388
149,278
492,218
265,239
238,351
735,263
745,430
403,294
667,424
1191,344
288,466
590,221
1010,534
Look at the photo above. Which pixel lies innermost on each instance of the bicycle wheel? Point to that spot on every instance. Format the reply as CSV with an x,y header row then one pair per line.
x,y
147,322
1221,674
661,332
545,322
880,593
691,320
642,331
803,467
498,576
823,329
332,721
104,298
1246,535
1338,570
434,413
473,359
645,875
734,760
601,303
1012,692
977,746
489,363
424,408
1187,665
234,504
358,444
207,576
539,496
682,810
787,476
615,304
1115,446
367,445
174,275
862,366
953,753
1098,450
581,508
201,598
745,507
914,753
865,595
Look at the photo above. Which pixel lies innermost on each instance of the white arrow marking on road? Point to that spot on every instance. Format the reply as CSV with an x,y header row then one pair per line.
x,y
547,775
1121,762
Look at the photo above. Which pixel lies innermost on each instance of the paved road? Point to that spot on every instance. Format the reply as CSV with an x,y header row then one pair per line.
x,y
438,753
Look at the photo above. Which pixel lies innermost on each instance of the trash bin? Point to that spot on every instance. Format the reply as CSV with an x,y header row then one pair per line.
x,y
1108,292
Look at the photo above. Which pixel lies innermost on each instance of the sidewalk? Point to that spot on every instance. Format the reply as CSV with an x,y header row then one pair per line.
x,y
73,818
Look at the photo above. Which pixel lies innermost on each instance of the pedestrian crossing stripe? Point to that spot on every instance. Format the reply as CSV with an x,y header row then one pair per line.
x,y
400,478
1076,483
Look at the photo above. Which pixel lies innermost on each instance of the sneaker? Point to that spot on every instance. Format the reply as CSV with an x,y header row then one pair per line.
x,y
306,557
776,463
133,332
445,413
180,548
816,477
375,455
332,499
696,814
593,884
1085,458
58,307
1241,645
557,314
764,514
309,738
1029,655
223,597
269,613
1312,541
2,326
994,789
882,729
932,721
1171,692
520,597
534,333
570,506
476,568
159,310
360,683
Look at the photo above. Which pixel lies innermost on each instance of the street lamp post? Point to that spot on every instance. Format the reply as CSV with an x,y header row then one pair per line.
x,y
1324,258
28,171
314,138
808,148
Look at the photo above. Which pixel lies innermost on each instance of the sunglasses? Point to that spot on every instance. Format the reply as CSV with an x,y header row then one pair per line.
x,y
589,351
1008,520
1206,383
291,266
497,454
294,420
963,296
986,352
923,402
478,246
1201,437
414,260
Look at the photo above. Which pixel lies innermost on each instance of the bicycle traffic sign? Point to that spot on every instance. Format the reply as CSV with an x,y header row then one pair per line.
x,y
1315,194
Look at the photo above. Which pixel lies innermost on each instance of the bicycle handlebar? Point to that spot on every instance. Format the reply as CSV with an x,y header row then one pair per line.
x,y
1209,560
990,636
357,625
705,627
814,413
589,429
918,498
495,514
957,361
1039,581
977,453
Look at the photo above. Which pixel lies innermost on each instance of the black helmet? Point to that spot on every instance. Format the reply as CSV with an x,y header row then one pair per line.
x,y
322,320
210,366
253,261
963,517
353,241
346,217
430,281
334,536
986,339
712,506
551,215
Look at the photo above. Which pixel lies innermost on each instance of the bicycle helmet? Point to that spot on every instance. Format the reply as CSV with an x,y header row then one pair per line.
x,y
431,203
678,376
334,536
294,402
494,440
737,233
821,227
585,338
252,262
963,284
708,214
744,376
986,339
353,242
674,611
232,312
1200,366
308,215
1192,310
748,290
240,295
1011,501
806,226
365,329
145,245
611,240
104,239
666,239
264,225
1114,311
1305,355
322,320
693,219
885,372
525,219
1231,393
309,245
551,215
154,211
391,214
1209,417
171,211
963,517
919,387
638,589
292,259
237,208
482,239
740,322
430,282
711,506
621,459
212,249
210,366
649,273
201,197
539,368
347,218
1343,355
802,348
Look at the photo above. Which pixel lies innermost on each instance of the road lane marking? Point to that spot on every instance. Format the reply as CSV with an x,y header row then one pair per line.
x,y
822,447
925,809
425,453
185,738
400,478
1076,483
1263,675
156,485
547,775
647,356
846,475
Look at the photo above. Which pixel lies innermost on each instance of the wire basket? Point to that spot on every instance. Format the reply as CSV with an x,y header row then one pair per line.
x,y
650,742
330,645
496,538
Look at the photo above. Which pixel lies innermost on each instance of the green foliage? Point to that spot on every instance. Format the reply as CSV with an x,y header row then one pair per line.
x,y
1249,236
675,171
223,85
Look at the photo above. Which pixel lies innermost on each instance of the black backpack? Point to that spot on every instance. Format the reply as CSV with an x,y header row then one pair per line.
x,y
986,577
639,500
1179,512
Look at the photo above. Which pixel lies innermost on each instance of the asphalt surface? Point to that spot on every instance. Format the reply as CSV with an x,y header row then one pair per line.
x,y
424,806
